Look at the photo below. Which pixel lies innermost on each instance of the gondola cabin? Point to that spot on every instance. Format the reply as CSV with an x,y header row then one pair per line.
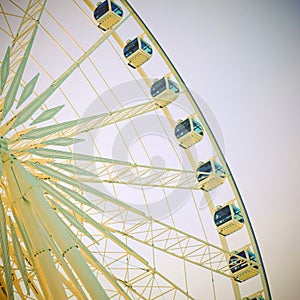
x,y
243,269
107,14
253,298
188,132
228,219
210,175
164,91
137,52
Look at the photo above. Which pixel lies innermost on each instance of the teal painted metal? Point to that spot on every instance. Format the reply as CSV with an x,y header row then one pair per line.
x,y
65,141
58,154
4,69
19,256
52,129
72,220
89,123
34,105
28,90
64,200
47,115
89,189
73,169
12,91
76,196
1,166
52,153
5,255
98,226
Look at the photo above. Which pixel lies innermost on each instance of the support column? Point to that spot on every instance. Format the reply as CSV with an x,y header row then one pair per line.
x,y
30,189
46,271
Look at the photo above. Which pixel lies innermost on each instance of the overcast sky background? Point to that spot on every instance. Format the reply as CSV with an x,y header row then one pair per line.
x,y
243,58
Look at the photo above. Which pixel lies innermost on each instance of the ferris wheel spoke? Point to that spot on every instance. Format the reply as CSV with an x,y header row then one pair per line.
x,y
7,29
163,237
148,231
13,88
31,14
95,263
145,271
73,128
21,40
71,282
27,112
20,259
179,244
66,273
59,176
121,172
170,240
194,251
33,281
5,256
109,238
4,72
151,177
137,276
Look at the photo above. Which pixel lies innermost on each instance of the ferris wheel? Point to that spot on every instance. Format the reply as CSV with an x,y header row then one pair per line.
x,y
114,184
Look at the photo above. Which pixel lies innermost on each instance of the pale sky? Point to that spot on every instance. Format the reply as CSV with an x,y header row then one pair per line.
x,y
243,58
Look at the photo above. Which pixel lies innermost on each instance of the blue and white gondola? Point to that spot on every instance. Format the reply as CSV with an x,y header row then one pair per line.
x,y
210,175
164,91
137,52
107,14
228,219
243,269
188,132
253,298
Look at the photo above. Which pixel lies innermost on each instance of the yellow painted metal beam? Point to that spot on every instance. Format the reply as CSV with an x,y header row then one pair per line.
x,y
31,203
